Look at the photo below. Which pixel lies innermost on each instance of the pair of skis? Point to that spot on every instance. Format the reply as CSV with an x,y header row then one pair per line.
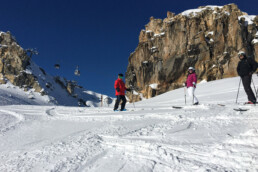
x,y
240,109
236,109
181,107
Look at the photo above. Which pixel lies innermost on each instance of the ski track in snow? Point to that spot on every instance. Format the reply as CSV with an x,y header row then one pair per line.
x,y
17,118
151,137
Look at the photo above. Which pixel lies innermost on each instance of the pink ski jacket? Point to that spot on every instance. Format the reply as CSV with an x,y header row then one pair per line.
x,y
191,80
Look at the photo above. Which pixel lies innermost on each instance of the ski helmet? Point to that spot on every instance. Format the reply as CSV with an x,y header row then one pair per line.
x,y
120,75
241,53
191,68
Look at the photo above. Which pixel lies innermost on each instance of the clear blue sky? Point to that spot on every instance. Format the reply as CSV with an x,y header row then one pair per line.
x,y
97,35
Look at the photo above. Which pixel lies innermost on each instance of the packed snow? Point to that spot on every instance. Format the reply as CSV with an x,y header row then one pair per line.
x,y
248,19
254,41
210,33
195,12
13,95
154,85
160,34
150,136
203,81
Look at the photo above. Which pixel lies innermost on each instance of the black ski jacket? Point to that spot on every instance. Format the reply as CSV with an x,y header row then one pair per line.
x,y
246,66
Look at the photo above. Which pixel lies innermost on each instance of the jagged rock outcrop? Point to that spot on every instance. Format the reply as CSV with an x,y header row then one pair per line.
x,y
17,68
13,64
207,38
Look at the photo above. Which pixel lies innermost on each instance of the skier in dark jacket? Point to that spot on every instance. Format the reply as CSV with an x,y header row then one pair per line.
x,y
120,92
245,68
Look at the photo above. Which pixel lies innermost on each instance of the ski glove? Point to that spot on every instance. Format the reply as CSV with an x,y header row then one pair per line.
x,y
194,83
118,89
128,89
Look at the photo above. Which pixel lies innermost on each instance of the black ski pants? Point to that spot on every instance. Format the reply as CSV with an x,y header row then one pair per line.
x,y
247,86
118,99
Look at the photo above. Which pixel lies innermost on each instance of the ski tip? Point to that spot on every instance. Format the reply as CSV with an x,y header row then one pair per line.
x,y
241,110
177,107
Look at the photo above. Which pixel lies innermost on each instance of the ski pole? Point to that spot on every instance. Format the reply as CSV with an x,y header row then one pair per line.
x,y
256,94
238,89
185,95
193,96
254,90
133,98
133,102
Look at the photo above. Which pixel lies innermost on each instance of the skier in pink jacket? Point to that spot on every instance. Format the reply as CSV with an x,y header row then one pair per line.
x,y
191,85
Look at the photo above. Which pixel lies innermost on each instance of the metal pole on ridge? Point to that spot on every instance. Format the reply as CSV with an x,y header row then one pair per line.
x,y
132,97
193,95
256,94
185,95
254,89
238,89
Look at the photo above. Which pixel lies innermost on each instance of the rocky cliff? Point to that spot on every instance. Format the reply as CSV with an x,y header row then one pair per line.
x,y
17,68
207,38
14,62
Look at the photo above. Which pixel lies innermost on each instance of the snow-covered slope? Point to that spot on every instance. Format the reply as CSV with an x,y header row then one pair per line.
x,y
13,95
55,94
18,69
148,137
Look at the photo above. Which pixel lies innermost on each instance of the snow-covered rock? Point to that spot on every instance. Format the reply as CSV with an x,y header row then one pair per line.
x,y
17,69
248,19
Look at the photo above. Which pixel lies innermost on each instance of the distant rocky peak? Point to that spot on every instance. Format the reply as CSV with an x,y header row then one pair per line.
x,y
18,69
13,59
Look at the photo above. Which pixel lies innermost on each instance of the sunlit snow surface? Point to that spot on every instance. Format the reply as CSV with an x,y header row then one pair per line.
x,y
148,137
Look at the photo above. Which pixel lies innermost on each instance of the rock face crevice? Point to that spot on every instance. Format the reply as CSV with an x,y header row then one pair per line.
x,y
207,38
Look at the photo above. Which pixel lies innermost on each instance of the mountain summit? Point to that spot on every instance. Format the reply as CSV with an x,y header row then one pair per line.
x,y
207,38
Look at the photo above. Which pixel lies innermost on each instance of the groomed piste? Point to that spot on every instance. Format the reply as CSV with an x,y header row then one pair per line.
x,y
150,137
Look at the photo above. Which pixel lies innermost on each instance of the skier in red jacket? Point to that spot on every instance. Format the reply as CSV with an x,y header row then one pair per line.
x,y
120,92
191,85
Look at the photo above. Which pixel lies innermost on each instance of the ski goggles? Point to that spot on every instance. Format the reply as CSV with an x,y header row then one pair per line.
x,y
239,55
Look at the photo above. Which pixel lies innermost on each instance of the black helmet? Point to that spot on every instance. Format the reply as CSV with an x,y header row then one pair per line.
x,y
120,74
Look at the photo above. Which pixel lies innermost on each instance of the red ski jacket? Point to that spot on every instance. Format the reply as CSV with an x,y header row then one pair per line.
x,y
119,83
